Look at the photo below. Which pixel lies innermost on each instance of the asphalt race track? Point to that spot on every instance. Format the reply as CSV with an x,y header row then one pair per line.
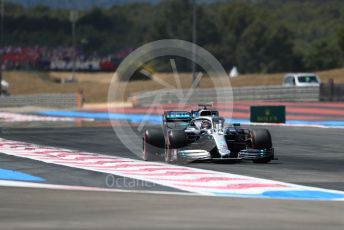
x,y
307,156
43,209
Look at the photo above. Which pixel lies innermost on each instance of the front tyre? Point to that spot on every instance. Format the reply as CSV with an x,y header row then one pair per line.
x,y
150,152
261,139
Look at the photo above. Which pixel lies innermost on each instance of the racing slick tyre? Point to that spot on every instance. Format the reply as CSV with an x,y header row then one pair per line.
x,y
175,140
261,139
153,143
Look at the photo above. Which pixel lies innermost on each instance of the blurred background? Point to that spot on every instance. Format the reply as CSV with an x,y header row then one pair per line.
x,y
45,41
59,129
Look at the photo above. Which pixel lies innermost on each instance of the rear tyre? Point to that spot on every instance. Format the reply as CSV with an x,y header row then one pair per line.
x,y
261,139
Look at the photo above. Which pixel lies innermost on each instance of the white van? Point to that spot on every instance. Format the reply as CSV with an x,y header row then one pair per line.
x,y
301,79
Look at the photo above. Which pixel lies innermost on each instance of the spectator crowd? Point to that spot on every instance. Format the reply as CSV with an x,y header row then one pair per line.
x,y
58,59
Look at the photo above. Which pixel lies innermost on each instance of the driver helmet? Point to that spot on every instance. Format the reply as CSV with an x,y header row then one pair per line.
x,y
205,124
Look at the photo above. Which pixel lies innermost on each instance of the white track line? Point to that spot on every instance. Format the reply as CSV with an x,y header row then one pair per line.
x,y
19,184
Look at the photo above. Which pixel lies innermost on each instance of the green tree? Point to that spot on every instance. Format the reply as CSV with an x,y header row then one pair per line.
x,y
172,19
322,54
233,20
340,39
279,49
250,49
265,48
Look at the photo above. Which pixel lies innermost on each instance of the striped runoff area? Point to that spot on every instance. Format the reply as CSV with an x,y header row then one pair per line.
x,y
197,181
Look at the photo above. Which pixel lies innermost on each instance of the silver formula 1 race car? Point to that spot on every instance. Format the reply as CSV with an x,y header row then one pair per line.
x,y
201,135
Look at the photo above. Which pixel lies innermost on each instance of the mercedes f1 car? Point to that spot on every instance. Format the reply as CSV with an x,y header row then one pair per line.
x,y
202,135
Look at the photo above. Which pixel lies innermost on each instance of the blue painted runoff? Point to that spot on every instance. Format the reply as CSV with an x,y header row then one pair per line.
x,y
305,194
6,174
156,119
105,116
290,194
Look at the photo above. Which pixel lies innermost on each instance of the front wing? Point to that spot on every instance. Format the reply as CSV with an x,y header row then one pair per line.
x,y
245,154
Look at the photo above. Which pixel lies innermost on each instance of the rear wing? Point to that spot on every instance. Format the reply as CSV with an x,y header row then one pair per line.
x,y
177,116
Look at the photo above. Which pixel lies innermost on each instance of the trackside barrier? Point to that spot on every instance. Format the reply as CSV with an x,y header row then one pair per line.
x,y
331,92
73,100
271,93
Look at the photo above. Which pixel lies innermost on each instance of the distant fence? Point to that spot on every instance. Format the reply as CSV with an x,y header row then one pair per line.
x,y
42,100
270,93
331,92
